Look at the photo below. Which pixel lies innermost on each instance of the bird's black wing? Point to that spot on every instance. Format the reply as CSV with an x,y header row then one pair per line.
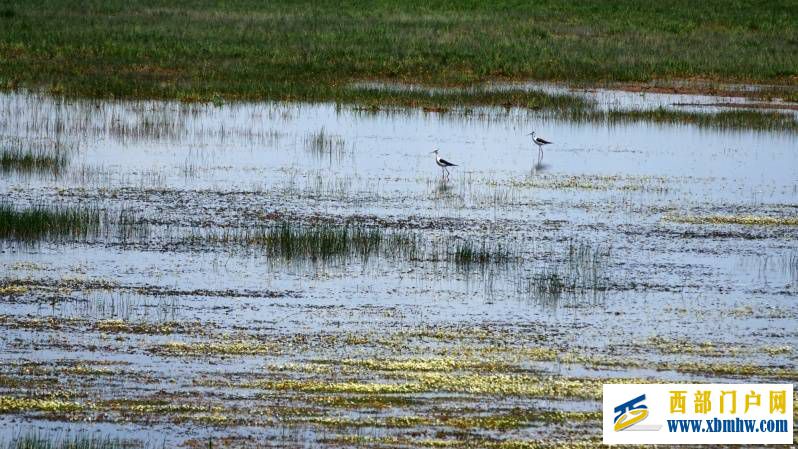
x,y
539,140
447,163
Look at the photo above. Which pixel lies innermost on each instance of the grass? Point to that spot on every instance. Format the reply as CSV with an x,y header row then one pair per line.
x,y
26,157
42,441
48,222
320,242
583,270
55,222
468,253
250,50
323,144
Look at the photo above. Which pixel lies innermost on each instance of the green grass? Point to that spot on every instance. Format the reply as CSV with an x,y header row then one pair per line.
x,y
318,242
25,157
324,144
57,223
253,50
582,270
47,222
42,441
467,254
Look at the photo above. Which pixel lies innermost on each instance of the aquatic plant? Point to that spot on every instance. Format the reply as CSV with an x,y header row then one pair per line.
x,y
32,157
64,222
322,144
319,242
582,269
467,253
748,220
46,222
9,404
50,441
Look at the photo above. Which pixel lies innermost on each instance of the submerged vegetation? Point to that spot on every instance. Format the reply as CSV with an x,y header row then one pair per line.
x,y
584,270
748,220
318,242
60,222
44,441
48,222
17,155
323,144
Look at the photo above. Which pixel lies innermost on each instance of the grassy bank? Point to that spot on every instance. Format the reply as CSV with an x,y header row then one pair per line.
x,y
311,50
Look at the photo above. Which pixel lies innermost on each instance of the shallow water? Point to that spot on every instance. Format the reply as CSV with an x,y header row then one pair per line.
x,y
202,167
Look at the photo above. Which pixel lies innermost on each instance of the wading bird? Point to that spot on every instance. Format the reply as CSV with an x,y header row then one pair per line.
x,y
539,142
443,163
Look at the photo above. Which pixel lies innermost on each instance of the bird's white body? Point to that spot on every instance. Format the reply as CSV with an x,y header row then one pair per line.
x,y
539,142
443,163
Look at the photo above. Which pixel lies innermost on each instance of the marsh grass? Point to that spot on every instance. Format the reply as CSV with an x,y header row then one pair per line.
x,y
323,144
60,223
18,155
48,222
724,120
44,441
583,269
468,254
318,242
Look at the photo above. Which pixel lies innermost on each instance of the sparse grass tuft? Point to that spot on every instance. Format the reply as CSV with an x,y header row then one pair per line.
x,y
323,144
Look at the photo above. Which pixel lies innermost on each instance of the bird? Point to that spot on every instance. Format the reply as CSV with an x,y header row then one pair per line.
x,y
442,163
539,142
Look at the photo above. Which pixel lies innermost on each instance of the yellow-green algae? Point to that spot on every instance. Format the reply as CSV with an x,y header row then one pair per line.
x,y
501,421
362,401
155,406
166,327
432,364
13,289
422,382
9,404
520,418
392,441
238,347
749,220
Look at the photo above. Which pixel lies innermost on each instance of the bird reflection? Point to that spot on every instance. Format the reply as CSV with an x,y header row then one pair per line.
x,y
539,166
442,187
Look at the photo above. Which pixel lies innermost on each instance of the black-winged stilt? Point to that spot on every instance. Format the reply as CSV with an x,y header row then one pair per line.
x,y
443,163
